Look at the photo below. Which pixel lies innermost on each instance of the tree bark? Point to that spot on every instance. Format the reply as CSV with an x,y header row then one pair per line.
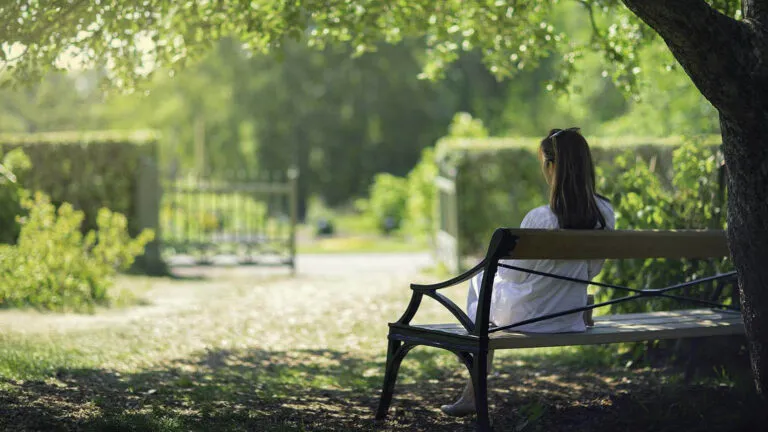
x,y
747,165
727,60
755,10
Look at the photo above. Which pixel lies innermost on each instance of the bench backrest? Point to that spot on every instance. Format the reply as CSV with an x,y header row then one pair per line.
x,y
599,244
591,244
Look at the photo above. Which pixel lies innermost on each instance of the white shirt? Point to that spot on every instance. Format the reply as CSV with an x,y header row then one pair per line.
x,y
519,296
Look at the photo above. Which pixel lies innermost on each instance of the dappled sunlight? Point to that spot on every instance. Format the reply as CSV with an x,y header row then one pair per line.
x,y
270,352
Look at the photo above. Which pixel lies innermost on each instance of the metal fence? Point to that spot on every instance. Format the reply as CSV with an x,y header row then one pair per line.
x,y
243,220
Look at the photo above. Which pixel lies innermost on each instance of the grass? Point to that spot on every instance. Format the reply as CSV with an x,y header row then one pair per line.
x,y
239,350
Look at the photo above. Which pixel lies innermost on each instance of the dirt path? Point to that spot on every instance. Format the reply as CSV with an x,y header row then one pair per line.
x,y
203,287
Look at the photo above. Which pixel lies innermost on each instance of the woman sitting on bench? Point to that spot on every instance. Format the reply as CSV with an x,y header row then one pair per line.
x,y
573,204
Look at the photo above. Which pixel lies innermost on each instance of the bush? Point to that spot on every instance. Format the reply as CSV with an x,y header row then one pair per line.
x,y
464,126
54,266
421,199
498,180
14,165
387,202
694,199
411,202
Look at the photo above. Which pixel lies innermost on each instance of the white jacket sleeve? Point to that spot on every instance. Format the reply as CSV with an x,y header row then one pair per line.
x,y
538,218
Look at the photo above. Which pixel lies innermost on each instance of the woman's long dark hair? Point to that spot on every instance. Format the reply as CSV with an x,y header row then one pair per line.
x,y
572,196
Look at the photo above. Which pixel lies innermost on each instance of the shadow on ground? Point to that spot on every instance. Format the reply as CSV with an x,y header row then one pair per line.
x,y
323,390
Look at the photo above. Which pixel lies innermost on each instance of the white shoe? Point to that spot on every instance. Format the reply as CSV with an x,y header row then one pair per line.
x,y
459,409
465,405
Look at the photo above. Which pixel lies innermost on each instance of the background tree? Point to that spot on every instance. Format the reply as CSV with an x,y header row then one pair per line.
x,y
340,118
57,102
719,44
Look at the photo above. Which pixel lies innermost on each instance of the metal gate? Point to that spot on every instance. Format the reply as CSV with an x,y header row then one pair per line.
x,y
229,221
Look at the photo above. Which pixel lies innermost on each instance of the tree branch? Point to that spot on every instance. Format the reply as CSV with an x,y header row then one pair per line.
x,y
596,33
714,49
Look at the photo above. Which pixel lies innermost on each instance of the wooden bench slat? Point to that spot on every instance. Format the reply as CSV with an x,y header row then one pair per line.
x,y
613,328
619,322
619,244
673,313
660,321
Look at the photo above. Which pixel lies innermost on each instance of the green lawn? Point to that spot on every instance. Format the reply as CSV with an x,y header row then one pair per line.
x,y
264,352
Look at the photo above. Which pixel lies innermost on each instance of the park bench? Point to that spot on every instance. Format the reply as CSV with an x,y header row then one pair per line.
x,y
472,341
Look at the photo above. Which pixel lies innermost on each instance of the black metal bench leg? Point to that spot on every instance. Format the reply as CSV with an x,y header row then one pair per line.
x,y
480,382
396,352
690,366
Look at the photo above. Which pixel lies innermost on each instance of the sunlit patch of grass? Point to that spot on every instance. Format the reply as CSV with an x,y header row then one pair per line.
x,y
34,358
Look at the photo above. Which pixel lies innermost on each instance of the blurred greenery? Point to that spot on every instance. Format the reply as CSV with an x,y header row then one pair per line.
x,y
499,180
353,114
129,38
344,116
387,203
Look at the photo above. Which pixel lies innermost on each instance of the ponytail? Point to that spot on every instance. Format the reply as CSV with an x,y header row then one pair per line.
x,y
572,195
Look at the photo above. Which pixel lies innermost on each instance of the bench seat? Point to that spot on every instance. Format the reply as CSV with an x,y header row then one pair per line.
x,y
615,328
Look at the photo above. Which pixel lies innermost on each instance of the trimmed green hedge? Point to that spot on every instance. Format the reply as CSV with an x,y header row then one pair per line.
x,y
90,170
498,180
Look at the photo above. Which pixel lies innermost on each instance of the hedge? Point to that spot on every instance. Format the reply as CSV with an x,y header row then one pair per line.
x,y
498,180
94,169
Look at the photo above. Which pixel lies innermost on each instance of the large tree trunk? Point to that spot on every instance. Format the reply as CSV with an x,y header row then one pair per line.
x,y
727,60
746,157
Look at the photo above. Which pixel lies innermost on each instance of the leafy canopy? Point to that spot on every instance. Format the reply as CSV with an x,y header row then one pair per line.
x,y
132,39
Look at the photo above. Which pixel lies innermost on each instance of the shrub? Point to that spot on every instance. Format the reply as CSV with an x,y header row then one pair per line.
x,y
694,199
54,266
464,126
387,201
411,202
420,205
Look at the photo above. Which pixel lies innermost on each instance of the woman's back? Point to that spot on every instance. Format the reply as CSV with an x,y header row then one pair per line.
x,y
519,296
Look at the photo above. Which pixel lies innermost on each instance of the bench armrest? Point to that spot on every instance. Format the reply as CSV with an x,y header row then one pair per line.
x,y
450,282
430,290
